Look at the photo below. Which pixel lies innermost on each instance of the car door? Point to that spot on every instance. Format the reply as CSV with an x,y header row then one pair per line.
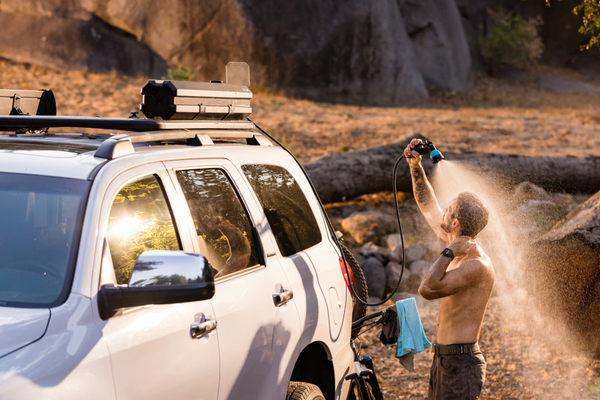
x,y
152,352
305,251
252,303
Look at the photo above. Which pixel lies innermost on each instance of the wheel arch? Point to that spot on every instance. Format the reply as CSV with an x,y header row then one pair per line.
x,y
314,366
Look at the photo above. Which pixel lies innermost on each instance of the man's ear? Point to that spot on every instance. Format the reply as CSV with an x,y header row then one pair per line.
x,y
455,224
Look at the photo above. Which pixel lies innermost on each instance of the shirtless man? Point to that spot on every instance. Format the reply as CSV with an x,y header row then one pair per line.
x,y
462,278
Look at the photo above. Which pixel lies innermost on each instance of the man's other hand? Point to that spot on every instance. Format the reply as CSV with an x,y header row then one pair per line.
x,y
462,245
412,157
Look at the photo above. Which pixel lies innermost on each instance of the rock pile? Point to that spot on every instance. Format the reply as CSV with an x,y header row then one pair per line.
x,y
380,254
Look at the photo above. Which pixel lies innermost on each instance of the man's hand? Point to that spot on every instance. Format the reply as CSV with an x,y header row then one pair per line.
x,y
462,245
412,157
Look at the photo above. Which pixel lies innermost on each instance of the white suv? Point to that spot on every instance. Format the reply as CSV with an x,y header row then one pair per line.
x,y
186,259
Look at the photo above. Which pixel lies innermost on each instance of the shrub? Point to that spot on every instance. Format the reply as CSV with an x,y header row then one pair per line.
x,y
181,74
512,40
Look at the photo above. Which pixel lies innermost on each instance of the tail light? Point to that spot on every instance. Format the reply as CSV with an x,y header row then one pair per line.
x,y
343,267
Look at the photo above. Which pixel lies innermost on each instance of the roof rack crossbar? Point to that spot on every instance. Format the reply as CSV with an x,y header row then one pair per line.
x,y
32,122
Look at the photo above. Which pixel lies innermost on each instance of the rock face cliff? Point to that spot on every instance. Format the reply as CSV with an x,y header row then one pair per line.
x,y
349,51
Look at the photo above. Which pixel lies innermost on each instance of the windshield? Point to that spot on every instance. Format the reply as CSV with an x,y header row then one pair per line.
x,y
40,222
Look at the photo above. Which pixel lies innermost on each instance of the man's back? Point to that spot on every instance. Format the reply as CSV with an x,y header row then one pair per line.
x,y
461,314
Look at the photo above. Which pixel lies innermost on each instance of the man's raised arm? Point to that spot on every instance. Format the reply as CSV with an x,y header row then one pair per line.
x,y
424,195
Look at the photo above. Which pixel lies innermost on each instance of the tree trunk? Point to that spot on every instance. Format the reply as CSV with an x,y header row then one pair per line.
x,y
347,175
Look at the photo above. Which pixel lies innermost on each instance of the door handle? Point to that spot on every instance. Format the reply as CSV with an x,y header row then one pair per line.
x,y
282,297
202,327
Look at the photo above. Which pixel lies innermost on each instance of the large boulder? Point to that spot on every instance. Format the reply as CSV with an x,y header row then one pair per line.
x,y
565,271
347,51
69,43
436,29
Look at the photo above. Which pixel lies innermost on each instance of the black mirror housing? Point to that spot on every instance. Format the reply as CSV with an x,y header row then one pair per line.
x,y
160,277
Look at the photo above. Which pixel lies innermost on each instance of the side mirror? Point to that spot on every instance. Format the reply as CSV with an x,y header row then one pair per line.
x,y
160,277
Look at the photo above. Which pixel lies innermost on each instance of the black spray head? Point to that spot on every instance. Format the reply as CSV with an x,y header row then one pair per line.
x,y
428,147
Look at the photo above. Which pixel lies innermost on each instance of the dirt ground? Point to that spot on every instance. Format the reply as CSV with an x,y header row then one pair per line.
x,y
526,360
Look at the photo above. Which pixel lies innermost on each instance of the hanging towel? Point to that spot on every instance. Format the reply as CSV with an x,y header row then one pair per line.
x,y
411,339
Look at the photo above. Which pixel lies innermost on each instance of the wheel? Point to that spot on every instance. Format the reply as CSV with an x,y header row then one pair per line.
x,y
359,310
363,390
303,391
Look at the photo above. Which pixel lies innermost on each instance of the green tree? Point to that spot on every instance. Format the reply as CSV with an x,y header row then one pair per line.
x,y
590,10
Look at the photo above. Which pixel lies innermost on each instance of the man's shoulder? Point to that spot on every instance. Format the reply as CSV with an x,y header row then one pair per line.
x,y
480,265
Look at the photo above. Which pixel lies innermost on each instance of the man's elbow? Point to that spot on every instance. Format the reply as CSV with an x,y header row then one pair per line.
x,y
427,293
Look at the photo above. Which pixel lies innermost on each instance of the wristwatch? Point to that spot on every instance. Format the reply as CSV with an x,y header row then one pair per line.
x,y
448,253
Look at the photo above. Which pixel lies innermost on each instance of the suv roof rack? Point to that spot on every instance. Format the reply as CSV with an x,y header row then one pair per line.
x,y
31,123
196,112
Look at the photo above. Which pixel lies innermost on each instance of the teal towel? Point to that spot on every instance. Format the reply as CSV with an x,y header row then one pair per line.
x,y
412,338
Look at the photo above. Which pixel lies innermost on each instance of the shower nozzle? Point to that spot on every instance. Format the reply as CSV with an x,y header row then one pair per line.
x,y
428,147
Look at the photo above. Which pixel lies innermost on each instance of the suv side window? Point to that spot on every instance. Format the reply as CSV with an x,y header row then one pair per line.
x,y
139,220
222,224
287,210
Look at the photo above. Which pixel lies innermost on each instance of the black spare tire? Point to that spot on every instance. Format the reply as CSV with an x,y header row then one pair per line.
x,y
359,309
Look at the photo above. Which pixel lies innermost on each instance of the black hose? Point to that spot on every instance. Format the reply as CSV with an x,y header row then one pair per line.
x,y
334,236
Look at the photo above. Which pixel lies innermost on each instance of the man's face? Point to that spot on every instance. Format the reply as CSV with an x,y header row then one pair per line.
x,y
447,218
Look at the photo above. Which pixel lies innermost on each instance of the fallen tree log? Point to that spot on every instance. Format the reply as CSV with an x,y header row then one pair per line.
x,y
343,176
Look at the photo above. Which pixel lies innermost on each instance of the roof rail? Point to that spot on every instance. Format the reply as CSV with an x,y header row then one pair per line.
x,y
28,122
121,145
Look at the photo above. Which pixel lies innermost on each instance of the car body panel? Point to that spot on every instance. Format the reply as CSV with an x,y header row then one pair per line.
x,y
71,360
21,326
62,164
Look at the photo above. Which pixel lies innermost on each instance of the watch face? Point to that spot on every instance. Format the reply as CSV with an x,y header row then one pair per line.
x,y
448,253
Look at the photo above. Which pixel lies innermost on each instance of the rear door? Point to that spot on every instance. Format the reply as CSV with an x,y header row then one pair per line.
x,y
304,248
253,304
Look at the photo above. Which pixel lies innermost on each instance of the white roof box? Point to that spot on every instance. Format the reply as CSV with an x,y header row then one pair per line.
x,y
27,102
184,100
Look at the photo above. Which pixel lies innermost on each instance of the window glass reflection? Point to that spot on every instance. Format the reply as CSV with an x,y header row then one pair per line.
x,y
288,212
222,224
139,221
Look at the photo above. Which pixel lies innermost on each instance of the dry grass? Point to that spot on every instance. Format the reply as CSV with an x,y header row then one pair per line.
x,y
495,116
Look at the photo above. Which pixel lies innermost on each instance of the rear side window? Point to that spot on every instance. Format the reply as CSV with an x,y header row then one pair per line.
x,y
224,231
287,210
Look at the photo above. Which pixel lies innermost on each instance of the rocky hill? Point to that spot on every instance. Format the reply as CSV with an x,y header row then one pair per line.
x,y
384,53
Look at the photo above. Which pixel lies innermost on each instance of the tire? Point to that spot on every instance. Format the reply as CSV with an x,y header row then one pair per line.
x,y
303,391
363,390
359,310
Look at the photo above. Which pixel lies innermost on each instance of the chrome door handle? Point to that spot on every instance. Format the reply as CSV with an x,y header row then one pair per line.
x,y
204,327
282,297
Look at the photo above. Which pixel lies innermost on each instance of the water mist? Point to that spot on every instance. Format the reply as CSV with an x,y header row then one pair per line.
x,y
547,363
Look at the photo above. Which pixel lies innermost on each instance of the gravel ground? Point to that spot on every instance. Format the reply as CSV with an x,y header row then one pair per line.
x,y
529,356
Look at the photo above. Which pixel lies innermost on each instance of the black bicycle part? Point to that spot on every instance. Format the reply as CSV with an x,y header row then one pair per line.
x,y
367,361
334,237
